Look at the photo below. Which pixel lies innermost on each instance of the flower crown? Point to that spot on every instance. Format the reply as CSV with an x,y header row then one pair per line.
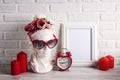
x,y
38,24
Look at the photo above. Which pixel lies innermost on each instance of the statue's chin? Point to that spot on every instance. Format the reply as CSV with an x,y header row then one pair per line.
x,y
42,70
41,63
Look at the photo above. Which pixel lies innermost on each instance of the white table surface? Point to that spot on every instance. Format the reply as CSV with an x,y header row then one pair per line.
x,y
74,73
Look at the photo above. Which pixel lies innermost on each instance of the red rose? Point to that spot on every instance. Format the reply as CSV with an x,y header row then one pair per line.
x,y
48,26
37,24
41,24
31,26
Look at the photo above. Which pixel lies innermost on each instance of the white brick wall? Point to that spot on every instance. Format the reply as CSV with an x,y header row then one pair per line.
x,y
18,1
118,7
91,0
1,18
72,7
17,17
1,52
15,14
110,0
59,17
106,26
72,1
50,1
33,8
118,26
110,16
16,35
109,44
24,1
98,7
8,27
8,44
83,17
110,35
7,8
9,1
1,36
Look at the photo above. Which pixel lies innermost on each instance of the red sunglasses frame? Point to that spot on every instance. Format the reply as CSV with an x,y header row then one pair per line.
x,y
46,43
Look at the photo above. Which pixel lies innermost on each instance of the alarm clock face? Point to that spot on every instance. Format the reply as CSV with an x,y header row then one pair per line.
x,y
64,63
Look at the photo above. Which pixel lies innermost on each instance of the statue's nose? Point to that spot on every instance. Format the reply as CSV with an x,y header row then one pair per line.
x,y
46,47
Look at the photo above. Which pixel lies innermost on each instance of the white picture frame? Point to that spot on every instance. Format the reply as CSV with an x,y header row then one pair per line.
x,y
85,36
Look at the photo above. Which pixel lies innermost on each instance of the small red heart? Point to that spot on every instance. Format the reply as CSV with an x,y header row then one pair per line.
x,y
68,54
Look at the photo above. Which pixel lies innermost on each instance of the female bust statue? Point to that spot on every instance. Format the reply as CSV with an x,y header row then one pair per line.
x,y
43,41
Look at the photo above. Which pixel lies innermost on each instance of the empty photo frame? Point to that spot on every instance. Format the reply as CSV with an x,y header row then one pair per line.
x,y
80,39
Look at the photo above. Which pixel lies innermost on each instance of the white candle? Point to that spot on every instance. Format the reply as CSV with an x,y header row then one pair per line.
x,y
63,38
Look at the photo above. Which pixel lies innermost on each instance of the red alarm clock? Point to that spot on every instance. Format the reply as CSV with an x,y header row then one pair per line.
x,y
63,59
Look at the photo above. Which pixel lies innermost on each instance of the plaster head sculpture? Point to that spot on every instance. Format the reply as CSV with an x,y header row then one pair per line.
x,y
43,41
